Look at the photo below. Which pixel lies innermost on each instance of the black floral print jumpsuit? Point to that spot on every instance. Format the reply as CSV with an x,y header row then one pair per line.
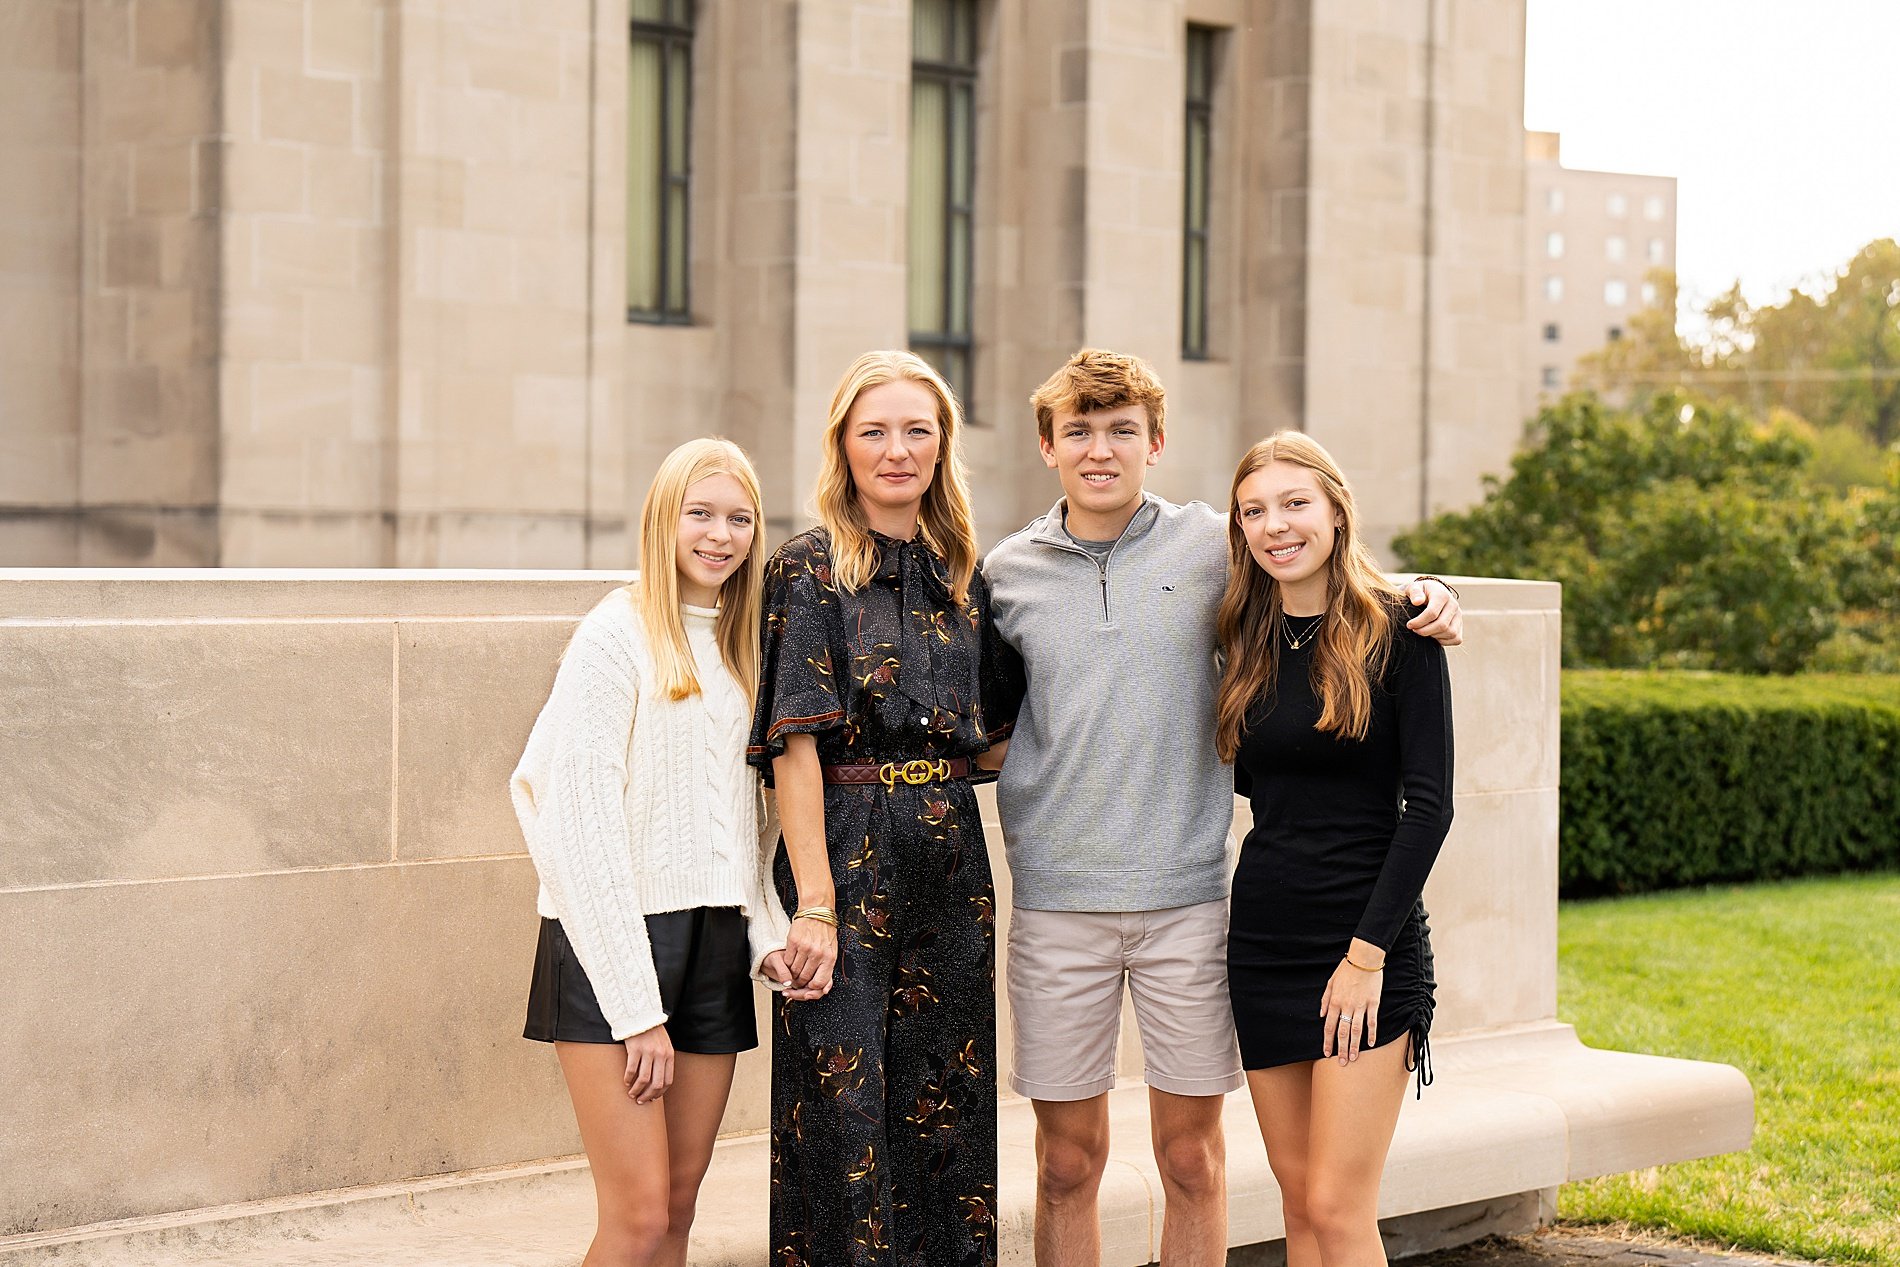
x,y
884,1091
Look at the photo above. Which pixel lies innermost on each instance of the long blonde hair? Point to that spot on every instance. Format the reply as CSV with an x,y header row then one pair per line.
x,y
948,523
657,594
1356,637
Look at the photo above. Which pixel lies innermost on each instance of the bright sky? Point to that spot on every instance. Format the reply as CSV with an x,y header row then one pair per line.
x,y
1780,120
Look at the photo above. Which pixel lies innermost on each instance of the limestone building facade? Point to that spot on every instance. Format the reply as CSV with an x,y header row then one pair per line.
x,y
1591,241
435,283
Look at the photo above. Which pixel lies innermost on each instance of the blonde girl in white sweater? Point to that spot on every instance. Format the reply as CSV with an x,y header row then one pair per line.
x,y
644,823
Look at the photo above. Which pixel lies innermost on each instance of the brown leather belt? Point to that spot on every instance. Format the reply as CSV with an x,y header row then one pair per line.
x,y
891,773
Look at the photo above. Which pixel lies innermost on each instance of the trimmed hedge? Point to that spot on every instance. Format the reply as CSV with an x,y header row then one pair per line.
x,y
1678,778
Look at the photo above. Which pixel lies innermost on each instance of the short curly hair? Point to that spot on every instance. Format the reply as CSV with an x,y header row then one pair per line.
x,y
1094,379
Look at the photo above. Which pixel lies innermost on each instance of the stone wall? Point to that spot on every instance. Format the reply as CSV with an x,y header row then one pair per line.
x,y
341,282
39,279
265,917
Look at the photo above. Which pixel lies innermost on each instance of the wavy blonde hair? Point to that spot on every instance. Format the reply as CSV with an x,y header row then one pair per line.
x,y
656,595
1356,639
948,523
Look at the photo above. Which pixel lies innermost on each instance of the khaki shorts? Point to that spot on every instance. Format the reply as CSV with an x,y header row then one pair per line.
x,y
1065,972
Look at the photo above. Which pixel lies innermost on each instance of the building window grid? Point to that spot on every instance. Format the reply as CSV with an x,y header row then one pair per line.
x,y
942,186
1197,197
660,38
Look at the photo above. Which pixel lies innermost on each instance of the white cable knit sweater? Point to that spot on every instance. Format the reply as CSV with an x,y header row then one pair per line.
x,y
633,804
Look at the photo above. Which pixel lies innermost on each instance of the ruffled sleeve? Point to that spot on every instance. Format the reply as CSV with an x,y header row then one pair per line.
x,y
799,691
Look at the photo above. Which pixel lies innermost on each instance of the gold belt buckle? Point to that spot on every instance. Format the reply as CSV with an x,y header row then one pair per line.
x,y
915,772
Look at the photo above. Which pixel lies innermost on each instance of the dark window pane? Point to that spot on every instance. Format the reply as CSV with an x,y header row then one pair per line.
x,y
964,45
676,251
644,120
1197,180
962,149
1197,172
659,159
678,81
942,184
1200,61
928,193
959,275
930,36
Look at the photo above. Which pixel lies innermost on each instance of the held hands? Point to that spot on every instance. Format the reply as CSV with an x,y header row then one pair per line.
x,y
1349,1009
1442,620
777,973
811,952
649,1065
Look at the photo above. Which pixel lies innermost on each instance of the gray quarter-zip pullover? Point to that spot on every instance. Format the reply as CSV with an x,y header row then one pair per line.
x,y
1113,797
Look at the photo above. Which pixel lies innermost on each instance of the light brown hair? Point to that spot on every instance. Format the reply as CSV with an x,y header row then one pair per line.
x,y
949,524
1093,379
656,595
1356,638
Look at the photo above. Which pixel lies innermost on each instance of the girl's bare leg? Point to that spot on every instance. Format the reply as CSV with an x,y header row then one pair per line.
x,y
1282,1101
1354,1111
694,1105
627,1150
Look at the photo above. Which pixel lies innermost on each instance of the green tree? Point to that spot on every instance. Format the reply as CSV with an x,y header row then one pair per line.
x,y
1832,359
1684,536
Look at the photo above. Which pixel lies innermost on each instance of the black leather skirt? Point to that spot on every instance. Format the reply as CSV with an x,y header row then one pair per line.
x,y
702,958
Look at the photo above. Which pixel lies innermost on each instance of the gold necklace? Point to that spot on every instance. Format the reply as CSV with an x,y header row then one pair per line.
x,y
1286,630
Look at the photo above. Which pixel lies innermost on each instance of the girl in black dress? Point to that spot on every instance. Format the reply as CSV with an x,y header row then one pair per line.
x,y
1338,721
877,690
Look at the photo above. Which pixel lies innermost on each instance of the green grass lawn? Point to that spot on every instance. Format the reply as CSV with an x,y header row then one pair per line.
x,y
1798,986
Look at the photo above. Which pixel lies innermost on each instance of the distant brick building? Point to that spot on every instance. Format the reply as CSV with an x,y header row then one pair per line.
x,y
436,282
1590,241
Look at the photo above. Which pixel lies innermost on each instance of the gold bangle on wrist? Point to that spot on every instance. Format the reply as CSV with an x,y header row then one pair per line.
x,y
823,914
1360,966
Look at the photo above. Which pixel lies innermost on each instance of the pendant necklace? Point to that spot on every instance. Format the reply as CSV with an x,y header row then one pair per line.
x,y
1306,635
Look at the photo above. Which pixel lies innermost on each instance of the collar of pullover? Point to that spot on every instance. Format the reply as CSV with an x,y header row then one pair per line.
x,y
1052,532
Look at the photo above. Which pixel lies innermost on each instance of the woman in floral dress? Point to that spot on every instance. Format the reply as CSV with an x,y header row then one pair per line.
x,y
881,682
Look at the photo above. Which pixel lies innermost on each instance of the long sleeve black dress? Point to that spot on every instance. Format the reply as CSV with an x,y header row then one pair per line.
x,y
884,1091
1345,833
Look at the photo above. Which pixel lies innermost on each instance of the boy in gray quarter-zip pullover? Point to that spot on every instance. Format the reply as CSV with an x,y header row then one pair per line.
x,y
1113,798
1116,810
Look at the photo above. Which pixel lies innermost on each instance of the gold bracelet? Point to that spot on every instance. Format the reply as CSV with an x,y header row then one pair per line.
x,y
823,914
1360,966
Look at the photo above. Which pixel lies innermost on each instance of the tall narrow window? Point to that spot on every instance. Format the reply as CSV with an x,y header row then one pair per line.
x,y
1198,170
659,173
942,180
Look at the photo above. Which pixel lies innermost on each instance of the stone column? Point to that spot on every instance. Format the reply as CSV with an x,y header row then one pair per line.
x,y
1413,228
852,145
305,314
148,282
39,281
